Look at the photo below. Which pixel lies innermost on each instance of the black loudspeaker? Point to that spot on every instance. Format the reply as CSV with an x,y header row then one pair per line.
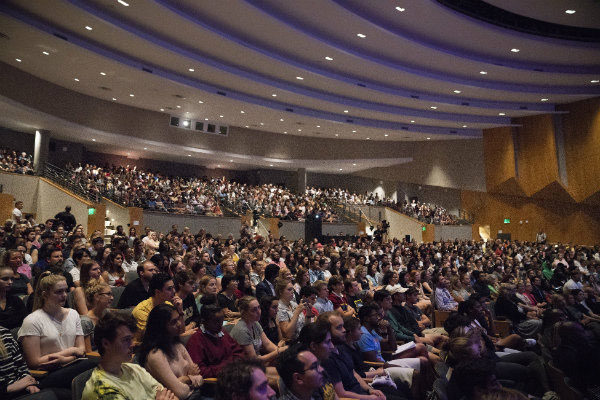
x,y
407,238
313,227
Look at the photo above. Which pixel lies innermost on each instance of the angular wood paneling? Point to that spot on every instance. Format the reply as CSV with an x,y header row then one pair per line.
x,y
499,156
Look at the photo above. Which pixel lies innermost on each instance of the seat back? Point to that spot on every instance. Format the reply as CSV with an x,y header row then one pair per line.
x,y
78,384
440,317
561,384
117,291
440,389
502,328
130,276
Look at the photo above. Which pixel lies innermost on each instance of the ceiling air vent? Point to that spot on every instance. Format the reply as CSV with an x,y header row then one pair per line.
x,y
58,35
289,109
148,70
221,93
179,96
104,88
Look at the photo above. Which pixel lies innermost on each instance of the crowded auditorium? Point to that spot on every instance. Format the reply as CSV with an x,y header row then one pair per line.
x,y
300,200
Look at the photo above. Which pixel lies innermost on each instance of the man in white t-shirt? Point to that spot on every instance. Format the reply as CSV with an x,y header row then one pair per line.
x,y
17,214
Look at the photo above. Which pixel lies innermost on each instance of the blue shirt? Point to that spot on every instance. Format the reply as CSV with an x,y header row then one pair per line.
x,y
370,341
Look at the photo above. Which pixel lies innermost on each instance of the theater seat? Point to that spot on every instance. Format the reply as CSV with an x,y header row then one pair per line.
x,y
78,384
440,317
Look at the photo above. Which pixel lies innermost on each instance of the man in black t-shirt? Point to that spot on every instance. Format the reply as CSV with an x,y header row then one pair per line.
x,y
137,290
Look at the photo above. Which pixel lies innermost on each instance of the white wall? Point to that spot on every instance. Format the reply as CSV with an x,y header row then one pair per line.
x,y
337,229
451,232
117,214
400,224
162,222
22,187
292,230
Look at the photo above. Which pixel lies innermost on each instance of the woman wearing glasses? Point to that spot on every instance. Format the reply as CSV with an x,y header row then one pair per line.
x,y
99,298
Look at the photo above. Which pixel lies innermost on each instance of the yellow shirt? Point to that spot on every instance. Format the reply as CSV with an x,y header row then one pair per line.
x,y
134,383
141,312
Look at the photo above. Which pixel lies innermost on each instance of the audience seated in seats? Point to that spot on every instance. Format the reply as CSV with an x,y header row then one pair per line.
x,y
207,286
290,316
248,333
267,286
52,337
322,303
12,308
113,272
137,290
226,298
184,286
317,339
163,354
506,307
443,298
243,380
336,296
211,347
162,290
78,257
268,322
302,376
472,379
99,297
116,376
340,366
20,286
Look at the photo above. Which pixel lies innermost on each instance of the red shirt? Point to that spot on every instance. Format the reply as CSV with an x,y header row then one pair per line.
x,y
213,353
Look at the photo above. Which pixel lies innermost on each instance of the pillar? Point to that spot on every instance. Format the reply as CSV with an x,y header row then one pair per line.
x,y
301,180
40,150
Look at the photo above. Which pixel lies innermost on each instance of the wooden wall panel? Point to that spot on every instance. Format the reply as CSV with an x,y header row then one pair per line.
x,y
136,214
499,156
7,204
581,128
429,233
96,221
562,222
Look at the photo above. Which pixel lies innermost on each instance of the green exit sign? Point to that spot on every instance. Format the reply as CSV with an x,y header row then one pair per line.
x,y
424,229
91,211
507,220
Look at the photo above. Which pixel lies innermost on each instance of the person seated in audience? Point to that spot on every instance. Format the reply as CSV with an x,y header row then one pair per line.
x,y
211,347
137,290
290,316
579,313
226,298
55,262
163,354
12,308
443,298
412,306
15,380
99,297
243,380
267,286
336,296
322,303
207,286
317,339
506,307
184,287
162,290
340,366
472,379
116,376
268,321
113,272
249,334
79,257
574,282
90,270
20,287
302,375
52,337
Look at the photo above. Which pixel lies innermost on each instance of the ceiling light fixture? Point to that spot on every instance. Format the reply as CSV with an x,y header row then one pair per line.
x,y
131,95
18,59
353,131
595,81
336,135
570,12
346,111
361,35
45,53
318,126
483,72
230,160
200,102
412,121
76,79
270,165
189,155
103,73
89,28
242,112
281,119
162,109
114,98
401,9
433,107
341,169
386,135
457,91
544,99
464,126
299,130
300,78
220,116
329,58
218,165
515,50
178,106
368,138
191,69
246,126
501,114
206,119
285,132
354,164
145,148
93,140
262,123
428,138
274,95
124,3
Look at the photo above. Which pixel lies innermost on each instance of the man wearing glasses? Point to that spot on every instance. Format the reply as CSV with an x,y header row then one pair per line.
x,y
301,374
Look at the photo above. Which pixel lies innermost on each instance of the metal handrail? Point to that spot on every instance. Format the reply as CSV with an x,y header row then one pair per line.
x,y
65,179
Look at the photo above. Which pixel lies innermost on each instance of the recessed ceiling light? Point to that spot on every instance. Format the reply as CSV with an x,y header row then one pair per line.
x,y
354,164
329,58
122,2
189,155
318,126
262,123
218,165
501,114
76,79
89,28
386,135
200,102
595,81
93,140
191,69
346,111
230,160
570,11
483,72
353,131
285,132
515,50
18,59
45,53
206,119
299,130
274,95
412,121
544,99
162,109
131,95
270,165
433,107
220,116
178,106
281,119
103,73
145,148
336,135
368,138
428,138
242,112
341,169
401,9
361,35
246,126
457,91
299,78
114,98
464,126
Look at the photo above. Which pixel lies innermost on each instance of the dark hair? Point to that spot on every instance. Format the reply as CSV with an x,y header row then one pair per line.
x,y
97,239
235,379
351,323
288,364
265,305
366,310
307,291
271,272
107,326
455,320
334,280
208,299
473,374
79,253
241,278
387,277
226,280
313,333
380,295
156,336
182,277
158,282
209,311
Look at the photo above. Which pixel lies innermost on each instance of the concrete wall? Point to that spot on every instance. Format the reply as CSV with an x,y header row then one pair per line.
x,y
444,197
162,222
340,229
117,214
451,232
400,224
292,230
22,187
52,200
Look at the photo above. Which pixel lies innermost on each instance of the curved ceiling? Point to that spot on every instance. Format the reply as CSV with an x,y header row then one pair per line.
x,y
385,70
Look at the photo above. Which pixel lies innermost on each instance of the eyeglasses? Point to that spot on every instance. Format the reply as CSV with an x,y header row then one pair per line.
x,y
314,367
6,278
107,294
